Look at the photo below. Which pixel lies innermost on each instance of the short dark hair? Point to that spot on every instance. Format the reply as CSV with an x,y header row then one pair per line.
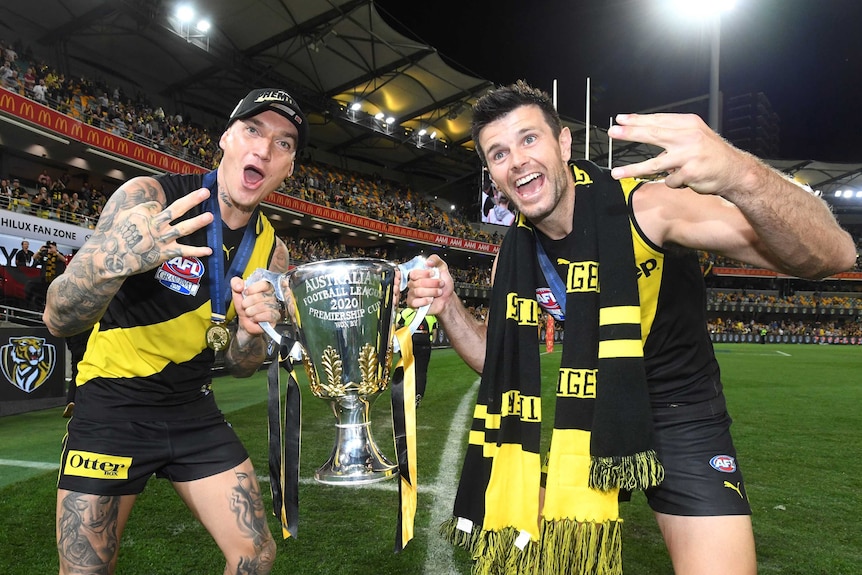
x,y
500,101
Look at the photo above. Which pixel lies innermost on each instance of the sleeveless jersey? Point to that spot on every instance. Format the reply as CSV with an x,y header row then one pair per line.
x,y
147,357
678,356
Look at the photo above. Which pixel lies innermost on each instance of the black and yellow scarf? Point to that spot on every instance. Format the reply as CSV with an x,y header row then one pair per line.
x,y
601,441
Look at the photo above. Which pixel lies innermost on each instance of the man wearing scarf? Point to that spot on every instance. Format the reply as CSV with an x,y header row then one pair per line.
x,y
639,401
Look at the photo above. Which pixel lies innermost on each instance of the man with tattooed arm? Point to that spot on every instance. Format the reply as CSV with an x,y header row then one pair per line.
x,y
156,286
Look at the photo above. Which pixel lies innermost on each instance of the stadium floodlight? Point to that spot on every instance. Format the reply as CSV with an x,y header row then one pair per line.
x,y
379,116
708,11
185,13
422,132
356,106
702,8
390,120
203,26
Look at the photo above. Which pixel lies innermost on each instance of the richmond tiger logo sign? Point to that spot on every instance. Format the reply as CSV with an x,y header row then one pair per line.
x,y
27,362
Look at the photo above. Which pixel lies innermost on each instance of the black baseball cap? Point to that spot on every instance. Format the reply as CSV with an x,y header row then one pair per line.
x,y
263,99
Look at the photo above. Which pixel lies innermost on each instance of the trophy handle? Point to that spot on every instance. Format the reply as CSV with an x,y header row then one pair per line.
x,y
417,262
274,279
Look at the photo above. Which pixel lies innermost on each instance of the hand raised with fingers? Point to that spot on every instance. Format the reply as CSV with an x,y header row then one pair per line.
x,y
694,156
139,237
134,234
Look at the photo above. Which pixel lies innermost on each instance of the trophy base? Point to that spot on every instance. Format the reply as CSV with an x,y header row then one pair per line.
x,y
355,459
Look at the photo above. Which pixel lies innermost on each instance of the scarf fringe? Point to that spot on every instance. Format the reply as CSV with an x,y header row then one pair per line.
x,y
566,546
630,472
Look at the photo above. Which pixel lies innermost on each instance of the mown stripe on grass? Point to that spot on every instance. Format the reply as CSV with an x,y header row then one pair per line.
x,y
439,560
30,464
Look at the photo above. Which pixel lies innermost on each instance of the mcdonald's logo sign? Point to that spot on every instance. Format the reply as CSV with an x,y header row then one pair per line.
x,y
175,166
44,117
92,137
77,130
27,110
151,157
108,142
123,147
7,102
138,153
61,123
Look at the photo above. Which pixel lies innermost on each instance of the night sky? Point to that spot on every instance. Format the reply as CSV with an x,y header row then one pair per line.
x,y
804,55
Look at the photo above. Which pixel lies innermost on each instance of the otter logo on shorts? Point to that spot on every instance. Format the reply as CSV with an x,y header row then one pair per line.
x,y
97,465
723,463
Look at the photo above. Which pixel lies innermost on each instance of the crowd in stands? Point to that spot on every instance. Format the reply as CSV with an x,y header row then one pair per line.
x,y
839,328
305,250
809,300
54,198
379,199
111,109
709,261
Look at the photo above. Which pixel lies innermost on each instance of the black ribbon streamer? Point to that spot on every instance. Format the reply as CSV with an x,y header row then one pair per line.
x,y
284,441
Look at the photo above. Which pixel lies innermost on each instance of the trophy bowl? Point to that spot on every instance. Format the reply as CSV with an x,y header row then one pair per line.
x,y
343,311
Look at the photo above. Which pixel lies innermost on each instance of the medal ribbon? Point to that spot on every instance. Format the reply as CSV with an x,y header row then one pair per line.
x,y
219,282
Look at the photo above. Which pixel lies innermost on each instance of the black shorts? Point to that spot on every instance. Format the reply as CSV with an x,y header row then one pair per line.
x,y
702,475
118,457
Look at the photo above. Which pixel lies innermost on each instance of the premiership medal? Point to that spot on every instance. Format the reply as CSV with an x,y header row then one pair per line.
x,y
217,334
218,337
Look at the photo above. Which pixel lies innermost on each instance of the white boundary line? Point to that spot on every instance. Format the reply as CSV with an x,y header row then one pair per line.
x,y
31,464
439,559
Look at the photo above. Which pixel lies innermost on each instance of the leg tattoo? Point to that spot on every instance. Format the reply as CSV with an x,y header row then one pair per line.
x,y
87,533
247,504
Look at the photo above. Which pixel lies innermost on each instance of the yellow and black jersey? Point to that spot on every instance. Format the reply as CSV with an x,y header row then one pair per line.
x,y
678,356
147,356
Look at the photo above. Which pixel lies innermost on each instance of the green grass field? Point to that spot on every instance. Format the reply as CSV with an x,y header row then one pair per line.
x,y
797,422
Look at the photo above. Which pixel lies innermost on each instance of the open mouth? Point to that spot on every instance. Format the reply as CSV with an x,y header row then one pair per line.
x,y
529,183
252,176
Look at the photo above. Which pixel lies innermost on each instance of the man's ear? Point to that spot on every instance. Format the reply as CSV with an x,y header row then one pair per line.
x,y
566,144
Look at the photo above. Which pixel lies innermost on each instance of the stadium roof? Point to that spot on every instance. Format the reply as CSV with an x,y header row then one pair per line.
x,y
329,54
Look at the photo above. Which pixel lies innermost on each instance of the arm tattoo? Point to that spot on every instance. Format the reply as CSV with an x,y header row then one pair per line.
x,y
87,533
242,360
128,239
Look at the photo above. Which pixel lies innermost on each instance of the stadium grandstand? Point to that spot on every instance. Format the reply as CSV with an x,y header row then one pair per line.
x,y
390,171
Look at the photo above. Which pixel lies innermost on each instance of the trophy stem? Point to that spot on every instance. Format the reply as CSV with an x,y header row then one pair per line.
x,y
355,458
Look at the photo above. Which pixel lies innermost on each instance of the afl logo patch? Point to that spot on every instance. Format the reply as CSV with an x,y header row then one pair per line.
x,y
723,463
182,275
548,302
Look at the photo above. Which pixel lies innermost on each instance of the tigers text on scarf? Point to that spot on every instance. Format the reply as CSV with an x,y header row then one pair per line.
x,y
602,435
